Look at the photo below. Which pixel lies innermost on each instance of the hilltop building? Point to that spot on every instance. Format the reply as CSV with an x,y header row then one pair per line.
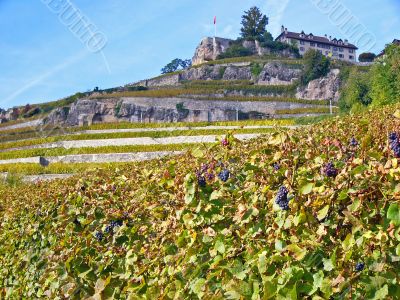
x,y
331,47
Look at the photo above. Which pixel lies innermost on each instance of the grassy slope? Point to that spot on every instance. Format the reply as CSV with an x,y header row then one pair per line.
x,y
227,240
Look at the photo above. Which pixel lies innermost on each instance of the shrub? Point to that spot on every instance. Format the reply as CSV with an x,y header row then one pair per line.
x,y
276,46
137,88
367,57
316,65
235,51
256,69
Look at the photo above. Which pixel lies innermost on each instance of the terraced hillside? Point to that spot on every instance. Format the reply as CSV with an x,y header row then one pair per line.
x,y
258,89
248,96
55,150
310,213
262,87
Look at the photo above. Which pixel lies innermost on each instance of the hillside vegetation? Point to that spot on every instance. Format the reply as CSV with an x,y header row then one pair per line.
x,y
311,213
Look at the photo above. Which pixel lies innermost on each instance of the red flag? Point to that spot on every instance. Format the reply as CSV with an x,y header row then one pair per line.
x,y
215,20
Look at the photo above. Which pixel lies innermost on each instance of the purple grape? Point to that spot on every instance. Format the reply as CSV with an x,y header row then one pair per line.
x,y
330,170
360,266
282,199
224,175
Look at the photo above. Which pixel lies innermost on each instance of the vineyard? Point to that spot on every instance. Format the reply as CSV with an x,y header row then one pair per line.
x,y
306,213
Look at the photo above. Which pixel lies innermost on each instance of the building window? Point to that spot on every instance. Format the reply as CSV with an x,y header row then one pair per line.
x,y
341,55
335,49
351,50
351,57
312,44
341,50
302,43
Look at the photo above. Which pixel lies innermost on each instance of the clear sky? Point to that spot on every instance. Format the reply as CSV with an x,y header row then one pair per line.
x,y
41,59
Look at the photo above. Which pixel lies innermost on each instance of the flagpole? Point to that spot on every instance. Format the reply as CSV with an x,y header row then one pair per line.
x,y
215,37
215,27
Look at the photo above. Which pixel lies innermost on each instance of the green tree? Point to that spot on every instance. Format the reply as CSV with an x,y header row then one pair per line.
x,y
254,24
355,93
176,64
316,65
386,77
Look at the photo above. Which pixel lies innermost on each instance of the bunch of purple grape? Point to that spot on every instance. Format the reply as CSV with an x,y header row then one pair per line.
x,y
353,142
99,236
394,144
113,224
329,170
205,173
282,199
224,175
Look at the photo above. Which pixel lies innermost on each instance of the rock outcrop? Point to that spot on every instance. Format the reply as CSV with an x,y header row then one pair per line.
x,y
276,73
203,73
322,88
84,112
237,73
209,49
166,110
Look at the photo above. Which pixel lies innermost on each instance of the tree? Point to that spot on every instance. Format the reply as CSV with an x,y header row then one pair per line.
x,y
175,65
367,57
385,86
254,24
316,65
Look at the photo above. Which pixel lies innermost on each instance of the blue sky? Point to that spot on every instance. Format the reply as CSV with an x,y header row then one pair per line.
x,y
42,60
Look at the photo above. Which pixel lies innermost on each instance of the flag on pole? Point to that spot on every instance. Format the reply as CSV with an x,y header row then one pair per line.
x,y
215,26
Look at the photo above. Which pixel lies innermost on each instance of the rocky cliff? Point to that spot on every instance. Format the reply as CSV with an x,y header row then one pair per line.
x,y
210,48
327,88
146,110
273,73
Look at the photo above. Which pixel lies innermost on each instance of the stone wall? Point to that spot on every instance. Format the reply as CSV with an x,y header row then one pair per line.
x,y
144,110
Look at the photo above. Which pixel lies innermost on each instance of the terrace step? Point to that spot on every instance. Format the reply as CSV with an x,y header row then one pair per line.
x,y
142,141
93,158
